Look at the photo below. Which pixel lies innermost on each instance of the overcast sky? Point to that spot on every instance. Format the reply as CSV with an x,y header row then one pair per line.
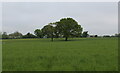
x,y
99,18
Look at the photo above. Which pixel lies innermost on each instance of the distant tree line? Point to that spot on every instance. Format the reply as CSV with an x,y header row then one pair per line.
x,y
39,34
65,28
17,35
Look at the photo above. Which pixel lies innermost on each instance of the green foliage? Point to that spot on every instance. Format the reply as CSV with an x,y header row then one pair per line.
x,y
48,31
117,35
106,35
38,33
96,35
4,35
29,35
85,34
15,35
68,27
82,54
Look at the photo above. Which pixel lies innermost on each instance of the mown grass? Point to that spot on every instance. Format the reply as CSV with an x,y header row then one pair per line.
x,y
79,54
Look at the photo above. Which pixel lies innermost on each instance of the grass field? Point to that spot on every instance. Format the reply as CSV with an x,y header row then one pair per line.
x,y
79,54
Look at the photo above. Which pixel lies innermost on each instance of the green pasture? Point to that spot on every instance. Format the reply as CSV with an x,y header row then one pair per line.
x,y
77,54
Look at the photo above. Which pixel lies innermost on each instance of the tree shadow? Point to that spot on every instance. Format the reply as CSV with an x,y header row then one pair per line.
x,y
73,39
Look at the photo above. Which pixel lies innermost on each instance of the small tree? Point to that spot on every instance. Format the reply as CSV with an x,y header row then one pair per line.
x,y
29,35
38,33
48,31
4,35
15,35
117,35
96,35
85,34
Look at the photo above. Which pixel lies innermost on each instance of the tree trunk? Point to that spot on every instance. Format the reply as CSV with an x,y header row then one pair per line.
x,y
66,38
52,39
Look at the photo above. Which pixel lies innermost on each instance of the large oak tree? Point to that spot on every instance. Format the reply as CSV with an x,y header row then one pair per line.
x,y
68,27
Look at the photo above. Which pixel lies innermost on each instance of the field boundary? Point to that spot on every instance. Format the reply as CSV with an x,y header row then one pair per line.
x,y
60,72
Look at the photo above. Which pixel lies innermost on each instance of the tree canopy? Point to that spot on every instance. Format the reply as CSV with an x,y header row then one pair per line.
x,y
38,33
29,35
4,35
15,35
68,27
